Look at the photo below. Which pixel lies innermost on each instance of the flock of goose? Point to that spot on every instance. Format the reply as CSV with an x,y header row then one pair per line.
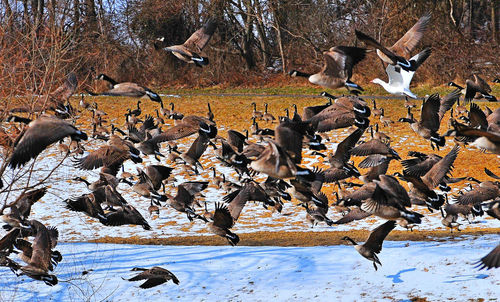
x,y
277,154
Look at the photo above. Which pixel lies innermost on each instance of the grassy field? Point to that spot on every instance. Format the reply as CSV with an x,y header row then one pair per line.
x,y
234,112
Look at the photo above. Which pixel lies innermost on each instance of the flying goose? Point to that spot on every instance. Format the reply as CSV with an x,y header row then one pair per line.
x,y
112,155
422,187
126,89
396,54
478,85
153,276
126,215
87,204
39,262
399,78
41,133
373,244
220,222
190,50
481,139
185,198
429,122
337,69
25,201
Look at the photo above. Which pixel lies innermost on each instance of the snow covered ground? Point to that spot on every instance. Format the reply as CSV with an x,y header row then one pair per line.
x,y
438,271
78,227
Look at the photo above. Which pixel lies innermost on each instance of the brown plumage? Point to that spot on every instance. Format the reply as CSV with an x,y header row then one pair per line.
x,y
190,50
40,134
126,215
126,89
39,262
373,244
220,222
492,260
337,69
153,276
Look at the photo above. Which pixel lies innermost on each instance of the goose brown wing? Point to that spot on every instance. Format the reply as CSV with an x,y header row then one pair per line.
x,y
478,195
222,217
477,118
41,247
430,117
492,260
482,84
176,132
343,152
390,57
448,101
407,43
199,39
198,147
238,203
377,236
354,214
105,156
41,133
441,168
347,57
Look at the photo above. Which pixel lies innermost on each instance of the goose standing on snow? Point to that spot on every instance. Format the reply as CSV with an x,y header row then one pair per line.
x,y
337,70
189,50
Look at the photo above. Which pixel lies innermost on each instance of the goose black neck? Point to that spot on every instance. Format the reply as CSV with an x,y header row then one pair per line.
x,y
296,73
350,240
104,77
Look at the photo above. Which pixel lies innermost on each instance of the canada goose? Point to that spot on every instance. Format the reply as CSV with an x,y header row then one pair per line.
x,y
39,263
385,120
210,114
337,69
289,135
7,241
153,209
340,166
126,215
409,103
396,54
478,85
487,190
220,222
110,156
158,174
153,276
217,180
198,147
492,260
481,139
189,125
183,201
137,111
423,187
266,116
41,133
237,140
174,115
275,162
374,146
239,197
429,122
256,114
25,201
310,111
190,50
158,119
85,105
376,111
373,244
399,78
342,114
447,103
494,121
126,89
87,204
317,210
380,135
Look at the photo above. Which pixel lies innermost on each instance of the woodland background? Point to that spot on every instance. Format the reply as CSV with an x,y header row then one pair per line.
x,y
255,44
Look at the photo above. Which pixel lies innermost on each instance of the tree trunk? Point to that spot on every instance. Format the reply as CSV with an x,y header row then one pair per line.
x,y
494,21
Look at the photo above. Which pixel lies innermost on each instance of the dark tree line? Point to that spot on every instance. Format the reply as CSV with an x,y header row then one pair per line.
x,y
42,39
